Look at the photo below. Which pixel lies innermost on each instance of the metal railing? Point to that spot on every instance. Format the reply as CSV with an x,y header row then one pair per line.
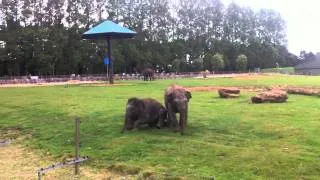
x,y
100,77
91,77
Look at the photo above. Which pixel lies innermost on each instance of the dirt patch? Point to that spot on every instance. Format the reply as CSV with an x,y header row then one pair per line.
x,y
307,90
17,162
71,82
233,76
216,88
249,77
108,85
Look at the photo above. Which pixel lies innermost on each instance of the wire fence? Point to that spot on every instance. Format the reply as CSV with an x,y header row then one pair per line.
x,y
104,77
91,77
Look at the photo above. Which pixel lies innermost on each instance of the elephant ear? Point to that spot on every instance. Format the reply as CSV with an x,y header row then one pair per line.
x,y
132,100
136,102
141,104
163,113
188,95
170,97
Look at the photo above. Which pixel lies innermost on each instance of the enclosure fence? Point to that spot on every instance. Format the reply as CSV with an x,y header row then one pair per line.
x,y
92,77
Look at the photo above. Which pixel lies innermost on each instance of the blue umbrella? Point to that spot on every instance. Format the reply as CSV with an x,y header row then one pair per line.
x,y
109,30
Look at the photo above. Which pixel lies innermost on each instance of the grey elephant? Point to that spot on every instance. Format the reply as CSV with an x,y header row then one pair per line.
x,y
146,111
148,74
176,100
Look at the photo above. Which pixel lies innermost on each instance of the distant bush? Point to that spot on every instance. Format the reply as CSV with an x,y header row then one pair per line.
x,y
241,62
218,62
285,70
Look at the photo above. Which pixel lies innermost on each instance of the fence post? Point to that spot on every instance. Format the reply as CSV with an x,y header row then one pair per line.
x,y
39,175
77,141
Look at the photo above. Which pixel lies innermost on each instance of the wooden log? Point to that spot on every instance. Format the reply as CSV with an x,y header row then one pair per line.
x,y
229,92
274,96
303,91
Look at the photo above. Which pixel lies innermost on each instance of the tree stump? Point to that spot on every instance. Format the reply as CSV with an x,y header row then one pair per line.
x,y
229,92
274,96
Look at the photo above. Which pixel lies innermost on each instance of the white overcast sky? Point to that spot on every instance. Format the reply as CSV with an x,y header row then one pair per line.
x,y
302,17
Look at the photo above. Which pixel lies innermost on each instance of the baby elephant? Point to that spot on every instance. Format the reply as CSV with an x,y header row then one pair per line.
x,y
176,100
144,111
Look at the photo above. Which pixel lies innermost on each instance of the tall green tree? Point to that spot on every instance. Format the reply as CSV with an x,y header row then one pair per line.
x,y
44,37
208,62
218,62
242,62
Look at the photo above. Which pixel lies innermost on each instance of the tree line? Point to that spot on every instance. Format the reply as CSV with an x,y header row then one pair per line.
x,y
44,37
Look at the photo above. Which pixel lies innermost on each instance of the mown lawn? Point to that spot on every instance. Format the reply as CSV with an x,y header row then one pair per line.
x,y
226,139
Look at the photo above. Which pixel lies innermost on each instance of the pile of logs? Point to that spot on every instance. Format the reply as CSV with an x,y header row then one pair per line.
x,y
273,96
303,91
229,92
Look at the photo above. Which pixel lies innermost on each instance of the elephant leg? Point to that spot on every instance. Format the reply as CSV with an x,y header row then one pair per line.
x,y
123,129
140,121
175,123
167,115
161,120
136,124
183,120
182,123
172,119
175,126
161,123
186,117
125,123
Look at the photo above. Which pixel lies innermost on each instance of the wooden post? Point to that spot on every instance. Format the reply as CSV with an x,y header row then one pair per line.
x,y
39,175
77,141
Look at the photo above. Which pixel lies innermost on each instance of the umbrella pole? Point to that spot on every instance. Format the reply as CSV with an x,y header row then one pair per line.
x,y
110,62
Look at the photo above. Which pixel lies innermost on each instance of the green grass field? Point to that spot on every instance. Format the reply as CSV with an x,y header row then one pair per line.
x,y
226,139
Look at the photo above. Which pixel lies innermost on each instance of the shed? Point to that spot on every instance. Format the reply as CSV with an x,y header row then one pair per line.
x,y
309,68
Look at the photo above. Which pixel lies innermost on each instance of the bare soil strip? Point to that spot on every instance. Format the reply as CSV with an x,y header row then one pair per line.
x,y
108,85
251,88
17,162
72,82
215,88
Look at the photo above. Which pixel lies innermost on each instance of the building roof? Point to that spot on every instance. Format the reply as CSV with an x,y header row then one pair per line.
x,y
314,64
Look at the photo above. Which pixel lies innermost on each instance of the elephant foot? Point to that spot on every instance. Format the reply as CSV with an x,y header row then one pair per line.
x,y
123,130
